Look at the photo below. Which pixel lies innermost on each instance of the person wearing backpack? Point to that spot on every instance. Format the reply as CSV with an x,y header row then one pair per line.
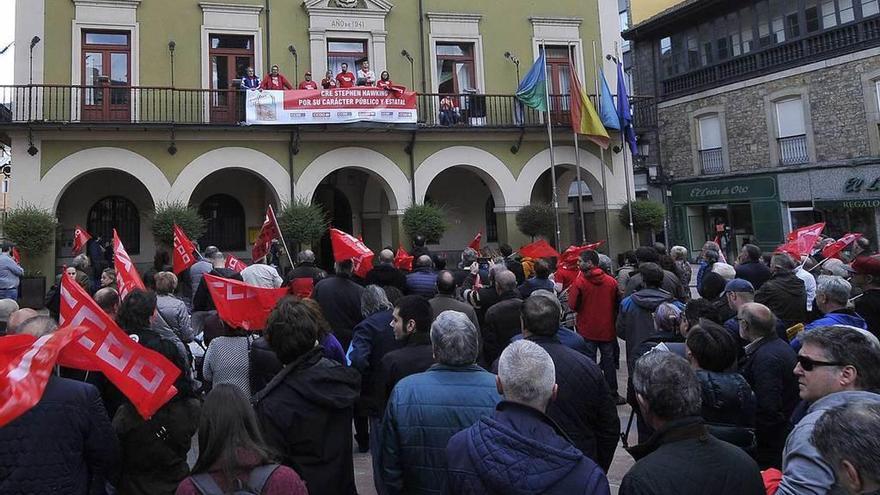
x,y
233,459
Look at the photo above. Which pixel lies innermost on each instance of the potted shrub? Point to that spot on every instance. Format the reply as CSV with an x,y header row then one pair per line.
x,y
647,215
32,230
176,212
302,223
427,220
537,219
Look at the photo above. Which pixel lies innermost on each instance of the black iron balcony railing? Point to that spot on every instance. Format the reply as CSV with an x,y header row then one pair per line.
x,y
843,39
117,105
793,150
712,161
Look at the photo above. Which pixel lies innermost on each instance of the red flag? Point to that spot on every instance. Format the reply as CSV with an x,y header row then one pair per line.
x,y
16,255
28,363
234,263
833,250
346,246
241,305
802,240
475,244
143,375
539,249
403,260
127,276
362,265
80,238
268,231
570,256
182,257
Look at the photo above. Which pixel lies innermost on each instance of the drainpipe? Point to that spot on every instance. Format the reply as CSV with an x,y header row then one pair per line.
x,y
268,41
421,47
410,150
292,150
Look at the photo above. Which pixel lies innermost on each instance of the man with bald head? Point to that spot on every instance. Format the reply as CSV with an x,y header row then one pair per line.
x,y
17,318
385,274
502,321
769,369
423,280
108,299
445,298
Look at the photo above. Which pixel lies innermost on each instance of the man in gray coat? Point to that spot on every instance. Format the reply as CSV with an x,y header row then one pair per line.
x,y
445,298
837,365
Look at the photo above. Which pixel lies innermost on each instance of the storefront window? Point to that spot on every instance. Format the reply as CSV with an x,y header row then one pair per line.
x,y
839,221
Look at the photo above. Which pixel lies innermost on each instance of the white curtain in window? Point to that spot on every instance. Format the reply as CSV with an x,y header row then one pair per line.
x,y
790,117
710,132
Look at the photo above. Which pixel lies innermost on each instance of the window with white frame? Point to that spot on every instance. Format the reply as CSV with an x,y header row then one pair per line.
x,y
791,131
710,144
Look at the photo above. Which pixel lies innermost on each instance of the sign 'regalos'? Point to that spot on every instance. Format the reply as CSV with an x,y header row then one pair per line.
x,y
331,106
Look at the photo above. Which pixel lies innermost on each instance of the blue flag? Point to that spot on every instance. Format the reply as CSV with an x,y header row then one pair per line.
x,y
607,112
624,111
532,90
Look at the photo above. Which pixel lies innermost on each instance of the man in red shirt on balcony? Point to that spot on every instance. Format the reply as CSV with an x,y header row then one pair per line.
x,y
345,79
274,80
308,83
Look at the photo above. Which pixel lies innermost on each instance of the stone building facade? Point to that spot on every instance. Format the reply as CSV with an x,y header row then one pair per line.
x,y
787,119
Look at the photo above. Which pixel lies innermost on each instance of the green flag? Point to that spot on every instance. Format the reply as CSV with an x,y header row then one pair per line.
x,y
532,90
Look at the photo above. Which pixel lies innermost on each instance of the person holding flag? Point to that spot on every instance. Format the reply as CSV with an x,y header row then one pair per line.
x,y
338,295
80,238
10,274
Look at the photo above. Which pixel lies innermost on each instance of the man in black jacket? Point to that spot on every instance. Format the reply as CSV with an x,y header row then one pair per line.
x,y
411,322
340,300
769,368
785,293
502,319
385,273
305,269
202,300
584,407
681,456
751,267
670,284
866,275
512,264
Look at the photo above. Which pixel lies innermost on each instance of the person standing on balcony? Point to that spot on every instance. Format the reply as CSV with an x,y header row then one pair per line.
x,y
10,274
384,81
274,80
345,79
308,83
366,77
328,82
250,81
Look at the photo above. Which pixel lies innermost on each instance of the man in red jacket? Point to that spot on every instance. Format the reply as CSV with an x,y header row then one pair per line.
x,y
593,295
274,80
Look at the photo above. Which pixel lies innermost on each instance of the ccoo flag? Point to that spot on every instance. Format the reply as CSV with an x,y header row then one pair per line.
x,y
584,119
532,90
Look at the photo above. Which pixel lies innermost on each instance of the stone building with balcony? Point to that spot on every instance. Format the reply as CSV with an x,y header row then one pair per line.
x,y
767,116
130,103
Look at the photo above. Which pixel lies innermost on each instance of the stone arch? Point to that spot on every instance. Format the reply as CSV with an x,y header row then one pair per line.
x,y
72,167
258,163
564,155
487,166
393,180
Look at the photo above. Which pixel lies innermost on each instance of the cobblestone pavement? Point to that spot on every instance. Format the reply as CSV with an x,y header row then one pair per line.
x,y
363,469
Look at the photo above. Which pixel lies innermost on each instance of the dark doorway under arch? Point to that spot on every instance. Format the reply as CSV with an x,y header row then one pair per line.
x,y
116,212
225,223
338,210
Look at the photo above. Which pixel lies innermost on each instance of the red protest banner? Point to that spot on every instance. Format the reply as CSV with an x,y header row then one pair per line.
x,y
402,259
182,256
240,305
143,375
331,106
127,276
802,240
28,363
539,249
80,238
348,247
833,250
234,263
475,244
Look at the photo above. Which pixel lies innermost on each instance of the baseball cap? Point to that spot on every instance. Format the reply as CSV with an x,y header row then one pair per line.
x,y
865,265
739,285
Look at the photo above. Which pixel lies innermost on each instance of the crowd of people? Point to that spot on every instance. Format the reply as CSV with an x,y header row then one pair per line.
x,y
274,80
497,375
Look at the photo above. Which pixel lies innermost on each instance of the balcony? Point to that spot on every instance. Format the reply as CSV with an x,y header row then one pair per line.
x,y
712,161
793,150
833,42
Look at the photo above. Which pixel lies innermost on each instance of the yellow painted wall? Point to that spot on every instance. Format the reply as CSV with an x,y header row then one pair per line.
x,y
644,9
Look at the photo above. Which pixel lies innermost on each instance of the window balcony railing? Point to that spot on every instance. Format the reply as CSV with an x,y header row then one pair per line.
x,y
712,161
117,105
843,39
793,150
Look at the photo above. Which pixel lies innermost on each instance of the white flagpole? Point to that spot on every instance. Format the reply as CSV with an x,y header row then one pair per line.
x,y
602,159
626,169
577,159
281,235
555,195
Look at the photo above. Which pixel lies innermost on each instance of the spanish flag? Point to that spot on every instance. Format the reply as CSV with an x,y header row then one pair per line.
x,y
584,118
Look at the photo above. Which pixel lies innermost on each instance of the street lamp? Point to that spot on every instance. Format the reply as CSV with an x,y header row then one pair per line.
x,y
34,41
292,50
171,46
412,71
515,60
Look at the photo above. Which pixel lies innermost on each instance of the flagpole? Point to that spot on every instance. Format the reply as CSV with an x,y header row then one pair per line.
x,y
577,166
602,159
555,195
626,169
281,235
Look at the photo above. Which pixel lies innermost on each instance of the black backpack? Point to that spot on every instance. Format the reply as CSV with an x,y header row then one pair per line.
x,y
257,479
